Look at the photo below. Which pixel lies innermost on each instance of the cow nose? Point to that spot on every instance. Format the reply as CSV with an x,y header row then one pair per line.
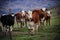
x,y
30,18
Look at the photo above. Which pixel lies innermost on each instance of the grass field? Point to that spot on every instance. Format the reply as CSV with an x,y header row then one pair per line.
x,y
51,32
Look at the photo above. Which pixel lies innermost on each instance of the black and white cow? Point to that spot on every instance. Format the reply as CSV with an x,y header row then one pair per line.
x,y
7,20
7,23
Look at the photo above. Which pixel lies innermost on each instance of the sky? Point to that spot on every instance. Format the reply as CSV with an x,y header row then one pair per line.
x,y
18,5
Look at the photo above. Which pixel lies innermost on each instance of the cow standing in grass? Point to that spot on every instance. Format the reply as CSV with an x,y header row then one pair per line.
x,y
7,23
47,16
33,21
20,18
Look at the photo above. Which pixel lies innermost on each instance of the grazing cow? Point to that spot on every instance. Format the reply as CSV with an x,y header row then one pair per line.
x,y
47,16
7,23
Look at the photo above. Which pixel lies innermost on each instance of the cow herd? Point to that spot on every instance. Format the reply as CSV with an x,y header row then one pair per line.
x,y
32,19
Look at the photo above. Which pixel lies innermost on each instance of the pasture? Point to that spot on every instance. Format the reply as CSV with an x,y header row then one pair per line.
x,y
49,33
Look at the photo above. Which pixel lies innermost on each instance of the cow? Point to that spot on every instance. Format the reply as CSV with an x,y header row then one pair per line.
x,y
41,16
20,18
33,21
35,17
7,21
47,16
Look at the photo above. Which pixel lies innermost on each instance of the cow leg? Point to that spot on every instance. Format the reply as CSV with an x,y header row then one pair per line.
x,y
46,22
17,22
42,21
4,31
41,24
49,22
21,24
37,28
1,26
11,28
29,30
28,27
26,23
33,30
10,33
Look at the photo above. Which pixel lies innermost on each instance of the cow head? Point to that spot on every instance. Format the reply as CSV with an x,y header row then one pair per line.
x,y
12,14
29,14
48,13
23,13
43,9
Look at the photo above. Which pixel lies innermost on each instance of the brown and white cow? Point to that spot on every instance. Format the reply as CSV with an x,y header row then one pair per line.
x,y
33,23
20,18
47,15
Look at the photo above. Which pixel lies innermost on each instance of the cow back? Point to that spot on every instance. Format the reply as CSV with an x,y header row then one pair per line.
x,y
35,16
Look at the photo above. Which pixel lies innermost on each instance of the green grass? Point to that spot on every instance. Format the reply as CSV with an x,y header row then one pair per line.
x,y
51,32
